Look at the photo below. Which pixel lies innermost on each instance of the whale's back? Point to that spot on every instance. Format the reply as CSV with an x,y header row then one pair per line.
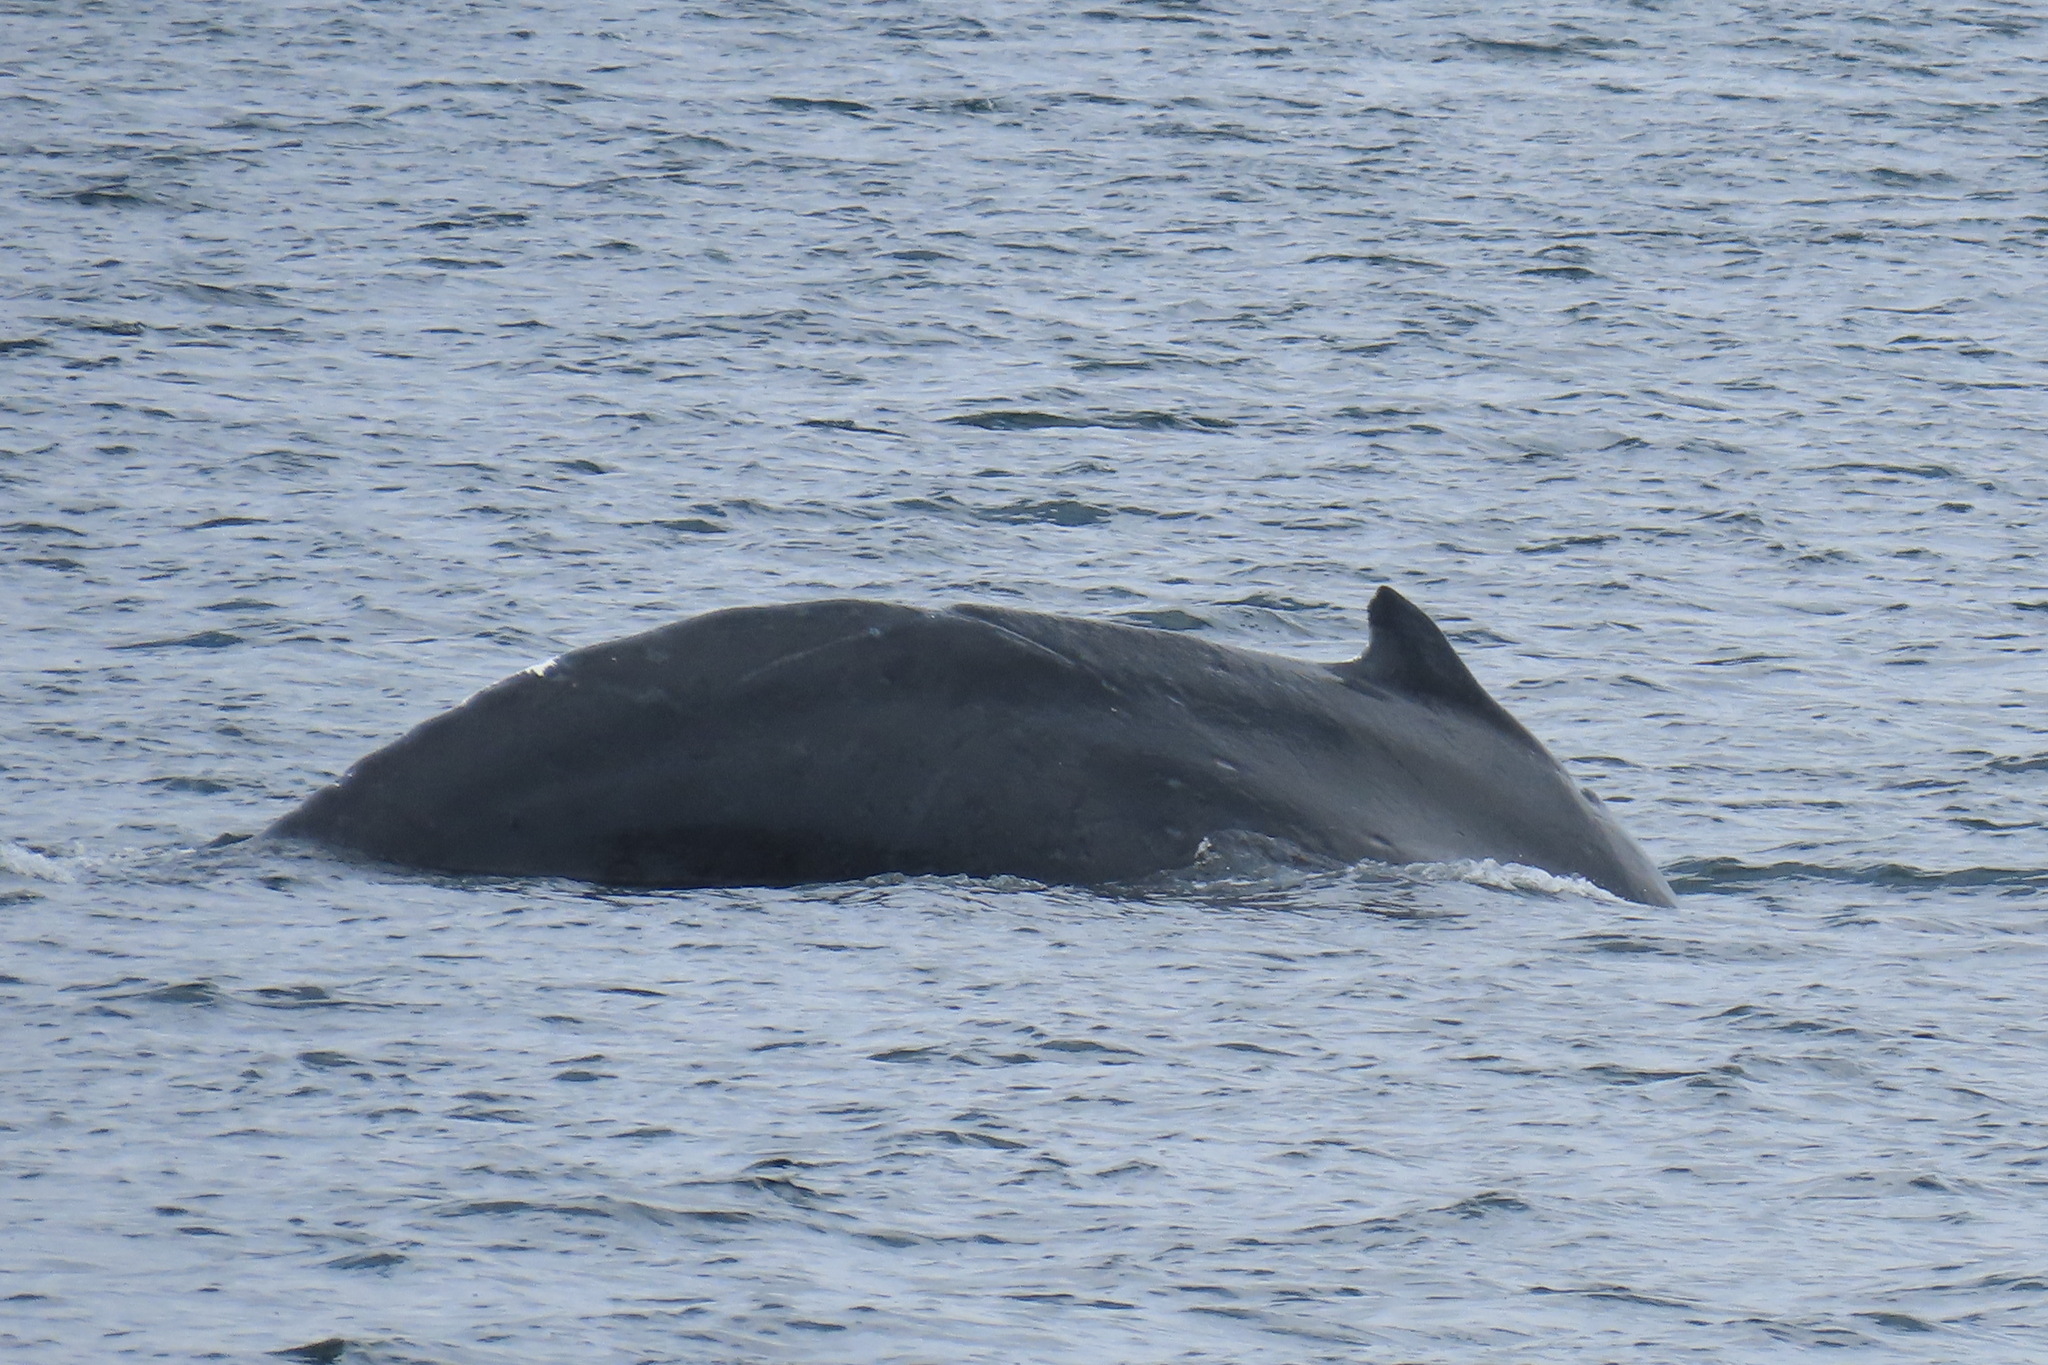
x,y
834,740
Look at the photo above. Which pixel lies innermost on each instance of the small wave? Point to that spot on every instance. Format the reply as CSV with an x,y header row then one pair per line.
x,y
1238,861
599,1207
1234,862
26,862
1010,420
1730,874
1506,877
1238,857
205,639
800,104
1057,512
1583,46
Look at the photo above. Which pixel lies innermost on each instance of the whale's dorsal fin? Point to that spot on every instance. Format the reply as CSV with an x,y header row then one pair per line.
x,y
1410,655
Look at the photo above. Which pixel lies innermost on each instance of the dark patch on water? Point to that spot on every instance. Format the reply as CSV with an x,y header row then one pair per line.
x,y
1119,421
832,106
205,639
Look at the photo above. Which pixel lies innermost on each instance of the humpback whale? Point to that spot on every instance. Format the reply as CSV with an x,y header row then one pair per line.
x,y
835,740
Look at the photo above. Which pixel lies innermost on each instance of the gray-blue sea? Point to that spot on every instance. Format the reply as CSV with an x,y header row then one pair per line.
x,y
1686,361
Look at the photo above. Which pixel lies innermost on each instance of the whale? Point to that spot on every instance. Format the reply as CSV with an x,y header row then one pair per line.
x,y
838,740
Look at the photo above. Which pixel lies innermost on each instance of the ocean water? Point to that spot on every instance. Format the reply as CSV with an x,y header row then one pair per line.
x,y
1686,362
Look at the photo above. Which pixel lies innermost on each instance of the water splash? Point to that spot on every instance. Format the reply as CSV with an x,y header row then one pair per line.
x,y
26,862
1507,877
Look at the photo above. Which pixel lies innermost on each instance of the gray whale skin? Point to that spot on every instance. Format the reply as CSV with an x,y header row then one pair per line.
x,y
829,741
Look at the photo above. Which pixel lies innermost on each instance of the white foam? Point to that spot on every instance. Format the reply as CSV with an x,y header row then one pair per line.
x,y
1507,877
25,862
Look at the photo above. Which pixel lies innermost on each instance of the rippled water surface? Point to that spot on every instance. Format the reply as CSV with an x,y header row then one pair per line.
x,y
1686,362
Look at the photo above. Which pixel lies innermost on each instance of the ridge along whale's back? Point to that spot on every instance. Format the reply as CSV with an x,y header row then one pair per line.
x,y
835,740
